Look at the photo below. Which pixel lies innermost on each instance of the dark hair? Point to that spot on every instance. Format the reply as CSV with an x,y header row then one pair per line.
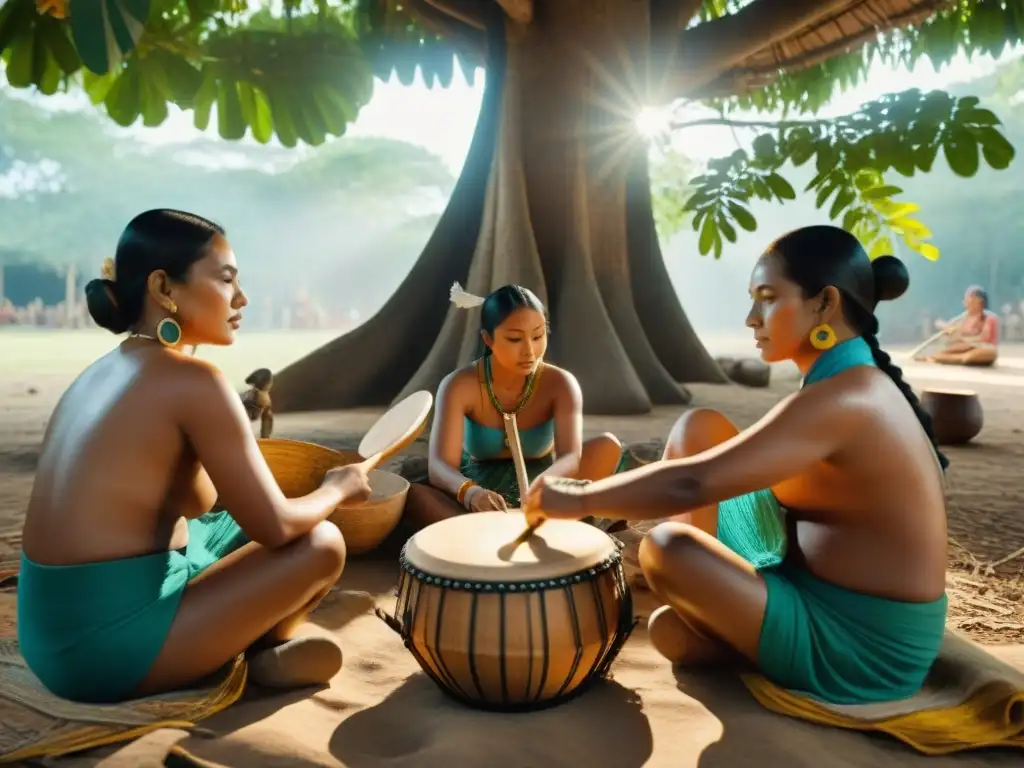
x,y
981,293
501,303
159,239
819,256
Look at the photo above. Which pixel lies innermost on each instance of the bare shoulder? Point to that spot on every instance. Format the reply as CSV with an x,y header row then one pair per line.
x,y
459,386
462,379
194,381
559,379
859,395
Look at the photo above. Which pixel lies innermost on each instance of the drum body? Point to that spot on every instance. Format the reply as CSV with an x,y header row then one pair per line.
x,y
525,631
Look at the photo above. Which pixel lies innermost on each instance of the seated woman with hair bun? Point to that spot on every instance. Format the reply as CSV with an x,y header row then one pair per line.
x,y
813,544
470,466
129,584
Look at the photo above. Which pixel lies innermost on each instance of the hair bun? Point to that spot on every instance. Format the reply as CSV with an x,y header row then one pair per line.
x,y
103,307
891,278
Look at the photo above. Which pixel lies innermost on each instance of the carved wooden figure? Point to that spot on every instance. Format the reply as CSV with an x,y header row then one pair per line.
x,y
257,400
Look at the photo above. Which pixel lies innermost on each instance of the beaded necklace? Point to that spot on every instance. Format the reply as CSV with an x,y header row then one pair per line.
x,y
524,398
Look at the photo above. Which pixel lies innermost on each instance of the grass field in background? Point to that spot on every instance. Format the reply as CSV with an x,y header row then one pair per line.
x,y
41,351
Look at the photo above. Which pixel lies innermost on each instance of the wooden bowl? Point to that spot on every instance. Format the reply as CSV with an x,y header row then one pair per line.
x,y
299,468
957,416
366,524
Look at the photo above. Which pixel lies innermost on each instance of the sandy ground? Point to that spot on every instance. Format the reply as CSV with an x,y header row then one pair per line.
x,y
378,712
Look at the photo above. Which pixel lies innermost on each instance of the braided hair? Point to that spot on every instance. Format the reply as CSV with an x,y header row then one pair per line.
x,y
819,256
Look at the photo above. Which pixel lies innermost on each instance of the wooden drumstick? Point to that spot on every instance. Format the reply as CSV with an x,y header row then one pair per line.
x,y
934,337
512,433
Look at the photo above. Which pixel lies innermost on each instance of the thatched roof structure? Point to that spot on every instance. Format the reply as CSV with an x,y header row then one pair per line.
x,y
845,29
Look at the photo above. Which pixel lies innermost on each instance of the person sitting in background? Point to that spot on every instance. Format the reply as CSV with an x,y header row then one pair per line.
x,y
974,338
129,584
470,466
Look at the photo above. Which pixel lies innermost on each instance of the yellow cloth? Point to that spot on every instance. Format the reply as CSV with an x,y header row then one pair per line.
x,y
34,723
969,701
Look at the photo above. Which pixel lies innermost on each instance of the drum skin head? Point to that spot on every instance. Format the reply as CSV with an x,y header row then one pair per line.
x,y
398,427
480,547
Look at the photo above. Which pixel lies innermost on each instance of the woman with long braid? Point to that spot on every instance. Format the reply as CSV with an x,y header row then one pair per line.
x,y
814,543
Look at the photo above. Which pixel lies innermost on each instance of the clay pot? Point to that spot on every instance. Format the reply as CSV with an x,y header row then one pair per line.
x,y
956,414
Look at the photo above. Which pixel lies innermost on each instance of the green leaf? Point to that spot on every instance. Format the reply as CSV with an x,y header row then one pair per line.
x,y
728,230
852,218
54,35
15,19
843,199
764,147
961,153
22,60
880,193
230,122
284,126
204,98
708,235
981,117
867,178
997,151
825,193
106,30
801,152
925,156
153,103
742,216
698,219
124,100
782,188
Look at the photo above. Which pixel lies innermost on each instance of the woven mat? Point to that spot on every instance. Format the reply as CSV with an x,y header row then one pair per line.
x,y
34,723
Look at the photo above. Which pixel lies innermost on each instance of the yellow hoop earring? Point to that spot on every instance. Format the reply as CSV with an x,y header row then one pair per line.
x,y
823,337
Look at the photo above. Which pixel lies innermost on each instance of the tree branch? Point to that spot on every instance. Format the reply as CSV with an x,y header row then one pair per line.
x,y
780,125
686,11
708,50
520,11
462,35
469,12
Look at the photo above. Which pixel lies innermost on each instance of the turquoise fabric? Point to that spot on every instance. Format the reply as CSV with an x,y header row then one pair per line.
x,y
843,356
830,643
753,525
499,475
485,443
91,632
845,647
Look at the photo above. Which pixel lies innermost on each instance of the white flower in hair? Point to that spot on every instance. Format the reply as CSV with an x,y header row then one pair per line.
x,y
464,300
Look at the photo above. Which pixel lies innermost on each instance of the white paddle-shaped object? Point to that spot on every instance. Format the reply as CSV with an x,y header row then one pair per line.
x,y
396,429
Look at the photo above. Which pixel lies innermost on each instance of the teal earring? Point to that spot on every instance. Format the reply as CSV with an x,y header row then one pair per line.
x,y
168,332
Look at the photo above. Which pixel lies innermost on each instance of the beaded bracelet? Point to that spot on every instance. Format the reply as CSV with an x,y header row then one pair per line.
x,y
461,495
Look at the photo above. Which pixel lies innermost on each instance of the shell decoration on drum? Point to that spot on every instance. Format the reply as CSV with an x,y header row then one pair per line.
x,y
510,627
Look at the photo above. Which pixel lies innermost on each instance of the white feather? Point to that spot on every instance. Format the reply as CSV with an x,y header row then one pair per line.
x,y
464,300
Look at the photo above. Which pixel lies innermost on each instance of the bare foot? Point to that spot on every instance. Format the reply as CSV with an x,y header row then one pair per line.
x,y
311,660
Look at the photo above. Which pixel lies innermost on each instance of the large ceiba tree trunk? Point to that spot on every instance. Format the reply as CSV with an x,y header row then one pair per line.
x,y
554,196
